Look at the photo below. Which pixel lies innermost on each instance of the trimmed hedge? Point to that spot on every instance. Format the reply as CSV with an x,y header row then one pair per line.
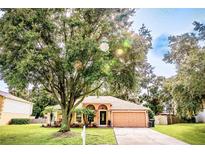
x,y
20,121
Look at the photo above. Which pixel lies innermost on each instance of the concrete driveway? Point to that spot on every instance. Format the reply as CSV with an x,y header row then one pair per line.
x,y
143,136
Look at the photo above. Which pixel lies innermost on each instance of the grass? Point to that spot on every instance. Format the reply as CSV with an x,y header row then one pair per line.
x,y
189,133
33,134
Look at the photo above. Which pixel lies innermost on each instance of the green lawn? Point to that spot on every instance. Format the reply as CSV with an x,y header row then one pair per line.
x,y
189,133
34,134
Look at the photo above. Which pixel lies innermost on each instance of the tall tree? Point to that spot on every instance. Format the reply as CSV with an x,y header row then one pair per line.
x,y
71,52
188,86
154,94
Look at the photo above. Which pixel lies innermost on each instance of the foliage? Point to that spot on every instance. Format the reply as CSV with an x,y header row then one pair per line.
x,y
41,99
188,86
19,121
156,96
87,113
70,52
150,114
50,110
77,125
133,49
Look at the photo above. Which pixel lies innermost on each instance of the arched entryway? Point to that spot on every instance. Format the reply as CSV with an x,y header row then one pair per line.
x,y
103,114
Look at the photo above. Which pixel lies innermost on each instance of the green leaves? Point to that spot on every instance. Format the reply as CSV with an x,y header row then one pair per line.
x,y
59,49
188,86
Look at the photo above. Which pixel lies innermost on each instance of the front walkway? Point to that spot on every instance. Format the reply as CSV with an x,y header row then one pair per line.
x,y
143,136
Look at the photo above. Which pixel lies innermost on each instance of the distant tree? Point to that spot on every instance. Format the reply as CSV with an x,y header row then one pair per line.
x,y
188,86
41,100
153,95
70,52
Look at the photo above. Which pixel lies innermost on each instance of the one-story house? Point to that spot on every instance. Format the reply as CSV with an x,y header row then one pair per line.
x,y
13,107
119,112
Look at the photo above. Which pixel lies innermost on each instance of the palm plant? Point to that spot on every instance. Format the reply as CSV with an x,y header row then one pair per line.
x,y
50,110
88,114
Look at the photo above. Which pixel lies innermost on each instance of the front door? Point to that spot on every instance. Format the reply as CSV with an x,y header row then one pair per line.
x,y
102,117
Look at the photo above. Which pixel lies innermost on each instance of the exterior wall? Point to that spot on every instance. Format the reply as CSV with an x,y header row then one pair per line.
x,y
161,120
6,117
1,106
201,117
13,106
165,119
14,109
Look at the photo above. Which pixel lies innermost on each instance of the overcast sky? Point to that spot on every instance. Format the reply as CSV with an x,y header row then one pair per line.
x,y
162,23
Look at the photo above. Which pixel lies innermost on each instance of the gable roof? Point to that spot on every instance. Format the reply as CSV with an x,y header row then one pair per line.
x,y
115,102
10,96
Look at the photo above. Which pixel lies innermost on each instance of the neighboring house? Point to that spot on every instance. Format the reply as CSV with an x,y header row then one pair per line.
x,y
13,107
121,113
167,117
201,115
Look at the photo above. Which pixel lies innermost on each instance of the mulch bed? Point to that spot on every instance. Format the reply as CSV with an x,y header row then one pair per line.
x,y
66,134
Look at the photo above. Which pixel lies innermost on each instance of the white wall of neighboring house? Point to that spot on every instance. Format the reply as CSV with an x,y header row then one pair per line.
x,y
201,116
13,106
15,109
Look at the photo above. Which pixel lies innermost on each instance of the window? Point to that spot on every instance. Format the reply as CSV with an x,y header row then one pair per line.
x,y
102,107
78,117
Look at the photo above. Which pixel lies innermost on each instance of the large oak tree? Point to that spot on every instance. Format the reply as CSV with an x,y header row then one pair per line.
x,y
70,52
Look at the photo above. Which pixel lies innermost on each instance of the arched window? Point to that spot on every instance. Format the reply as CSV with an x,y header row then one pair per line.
x,y
102,107
91,107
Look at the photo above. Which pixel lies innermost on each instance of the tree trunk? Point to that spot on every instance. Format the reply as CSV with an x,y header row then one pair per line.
x,y
65,124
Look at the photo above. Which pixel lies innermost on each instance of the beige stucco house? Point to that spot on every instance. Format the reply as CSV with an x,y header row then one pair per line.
x,y
13,107
121,113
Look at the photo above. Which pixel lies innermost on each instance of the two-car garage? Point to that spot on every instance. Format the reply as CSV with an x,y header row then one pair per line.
x,y
129,118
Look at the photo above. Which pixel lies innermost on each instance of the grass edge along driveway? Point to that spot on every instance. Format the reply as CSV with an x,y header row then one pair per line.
x,y
34,134
189,133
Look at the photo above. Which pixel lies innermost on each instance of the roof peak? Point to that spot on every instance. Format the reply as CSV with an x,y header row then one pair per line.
x,y
10,96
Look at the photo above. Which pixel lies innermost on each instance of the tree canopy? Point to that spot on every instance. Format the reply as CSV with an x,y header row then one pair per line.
x,y
70,52
188,86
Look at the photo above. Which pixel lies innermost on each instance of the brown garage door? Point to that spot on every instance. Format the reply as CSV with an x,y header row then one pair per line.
x,y
129,119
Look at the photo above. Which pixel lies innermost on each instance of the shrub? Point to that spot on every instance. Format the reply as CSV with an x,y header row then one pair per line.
x,y
188,120
94,125
109,123
77,125
20,121
150,114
